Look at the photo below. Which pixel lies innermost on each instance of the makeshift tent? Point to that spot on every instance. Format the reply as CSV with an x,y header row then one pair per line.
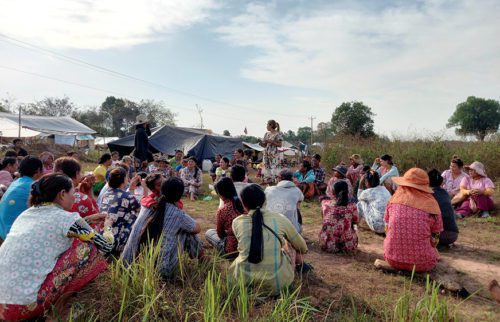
x,y
64,125
101,140
193,142
253,146
11,130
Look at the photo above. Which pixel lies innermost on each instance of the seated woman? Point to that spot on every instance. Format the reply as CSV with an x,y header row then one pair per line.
x,y
339,217
164,167
304,179
265,256
7,169
386,170
372,201
49,252
223,170
477,188
121,207
100,172
339,174
191,176
452,179
414,222
450,230
177,229
84,205
354,170
47,159
222,238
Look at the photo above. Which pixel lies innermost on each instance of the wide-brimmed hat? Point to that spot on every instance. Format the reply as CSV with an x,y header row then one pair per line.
x,y
141,119
414,178
356,158
341,169
163,159
478,167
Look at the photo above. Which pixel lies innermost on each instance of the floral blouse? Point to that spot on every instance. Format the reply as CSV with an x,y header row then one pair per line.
x,y
338,233
123,208
84,205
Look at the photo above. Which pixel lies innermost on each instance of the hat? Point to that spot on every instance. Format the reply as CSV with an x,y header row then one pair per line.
x,y
357,158
341,169
414,178
162,159
141,119
478,167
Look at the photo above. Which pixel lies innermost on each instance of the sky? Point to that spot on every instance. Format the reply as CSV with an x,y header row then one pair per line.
x,y
245,62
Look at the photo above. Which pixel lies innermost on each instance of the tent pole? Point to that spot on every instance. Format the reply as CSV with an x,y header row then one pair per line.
x,y
19,131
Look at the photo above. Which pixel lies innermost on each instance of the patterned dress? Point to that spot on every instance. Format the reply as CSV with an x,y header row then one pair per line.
x,y
123,209
270,157
371,207
187,175
84,205
338,233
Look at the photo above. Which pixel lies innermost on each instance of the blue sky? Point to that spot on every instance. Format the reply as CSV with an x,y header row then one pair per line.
x,y
245,62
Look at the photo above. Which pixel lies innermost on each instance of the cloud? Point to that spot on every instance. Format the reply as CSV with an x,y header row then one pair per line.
x,y
96,24
420,58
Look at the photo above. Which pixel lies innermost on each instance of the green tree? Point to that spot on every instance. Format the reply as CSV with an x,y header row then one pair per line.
x,y
353,118
290,136
476,116
304,134
94,119
156,112
226,133
249,138
50,106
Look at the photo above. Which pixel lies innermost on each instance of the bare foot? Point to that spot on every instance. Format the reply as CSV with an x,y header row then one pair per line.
x,y
495,290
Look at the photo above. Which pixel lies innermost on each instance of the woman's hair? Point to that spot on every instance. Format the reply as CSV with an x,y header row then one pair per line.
x,y
457,161
67,165
117,177
435,178
253,198
306,164
238,173
115,153
29,166
366,169
341,190
10,154
6,162
151,180
372,178
171,192
387,158
225,160
44,156
240,152
48,187
225,188
105,157
274,125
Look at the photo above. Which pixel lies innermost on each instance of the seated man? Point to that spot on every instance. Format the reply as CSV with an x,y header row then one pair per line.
x,y
304,179
319,174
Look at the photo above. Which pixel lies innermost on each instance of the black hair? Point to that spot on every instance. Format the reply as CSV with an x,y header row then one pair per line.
x,y
366,169
6,162
225,160
151,180
248,152
48,187
172,190
105,157
387,158
435,178
286,174
17,140
67,165
117,177
253,197
115,152
29,166
317,157
240,152
238,173
372,178
225,188
341,190
274,125
306,164
11,154
457,161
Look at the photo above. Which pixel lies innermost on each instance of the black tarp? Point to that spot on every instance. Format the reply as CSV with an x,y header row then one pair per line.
x,y
167,139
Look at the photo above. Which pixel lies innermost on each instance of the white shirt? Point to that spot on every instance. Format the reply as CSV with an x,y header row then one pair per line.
x,y
283,199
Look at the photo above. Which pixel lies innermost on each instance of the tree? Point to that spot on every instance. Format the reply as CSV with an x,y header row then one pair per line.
x,y
476,116
156,112
226,133
304,134
94,119
290,136
249,139
353,118
50,106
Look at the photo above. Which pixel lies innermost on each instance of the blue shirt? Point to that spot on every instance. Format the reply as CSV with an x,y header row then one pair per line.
x,y
13,203
307,178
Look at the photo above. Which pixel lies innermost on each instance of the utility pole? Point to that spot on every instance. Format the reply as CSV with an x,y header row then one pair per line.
x,y
19,131
200,110
311,118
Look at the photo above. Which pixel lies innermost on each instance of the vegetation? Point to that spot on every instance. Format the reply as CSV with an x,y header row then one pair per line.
x,y
476,116
353,118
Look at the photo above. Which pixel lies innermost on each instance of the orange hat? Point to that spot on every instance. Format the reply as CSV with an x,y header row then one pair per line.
x,y
414,178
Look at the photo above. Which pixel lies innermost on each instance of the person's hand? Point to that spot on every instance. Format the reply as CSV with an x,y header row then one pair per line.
x,y
377,161
134,182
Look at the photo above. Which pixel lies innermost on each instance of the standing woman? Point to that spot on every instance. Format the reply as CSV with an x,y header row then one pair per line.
x,y
271,142
141,143
49,252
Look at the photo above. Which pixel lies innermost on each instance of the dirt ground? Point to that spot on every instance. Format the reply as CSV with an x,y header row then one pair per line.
x,y
340,282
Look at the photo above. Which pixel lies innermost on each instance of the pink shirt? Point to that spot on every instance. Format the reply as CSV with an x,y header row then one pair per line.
x,y
331,182
481,183
409,232
451,185
6,178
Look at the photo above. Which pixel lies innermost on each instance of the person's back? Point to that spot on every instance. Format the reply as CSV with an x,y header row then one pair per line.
x,y
283,199
275,270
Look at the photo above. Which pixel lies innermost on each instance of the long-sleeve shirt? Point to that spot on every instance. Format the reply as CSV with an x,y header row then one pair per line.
x,y
141,144
305,178
387,174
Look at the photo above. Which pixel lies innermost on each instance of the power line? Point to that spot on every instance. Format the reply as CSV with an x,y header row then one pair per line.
x,y
111,72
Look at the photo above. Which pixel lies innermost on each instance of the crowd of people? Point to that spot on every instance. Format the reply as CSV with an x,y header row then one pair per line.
x,y
59,228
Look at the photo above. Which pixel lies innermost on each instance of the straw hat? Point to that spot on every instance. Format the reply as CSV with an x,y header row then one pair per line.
x,y
356,158
141,119
414,178
478,167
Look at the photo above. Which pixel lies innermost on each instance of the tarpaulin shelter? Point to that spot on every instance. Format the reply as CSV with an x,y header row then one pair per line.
x,y
193,142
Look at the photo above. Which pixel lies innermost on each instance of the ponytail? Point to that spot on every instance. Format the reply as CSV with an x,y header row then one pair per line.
x,y
253,198
225,188
277,126
341,190
48,187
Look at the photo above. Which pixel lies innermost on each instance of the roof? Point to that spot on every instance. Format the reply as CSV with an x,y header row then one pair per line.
x,y
61,125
